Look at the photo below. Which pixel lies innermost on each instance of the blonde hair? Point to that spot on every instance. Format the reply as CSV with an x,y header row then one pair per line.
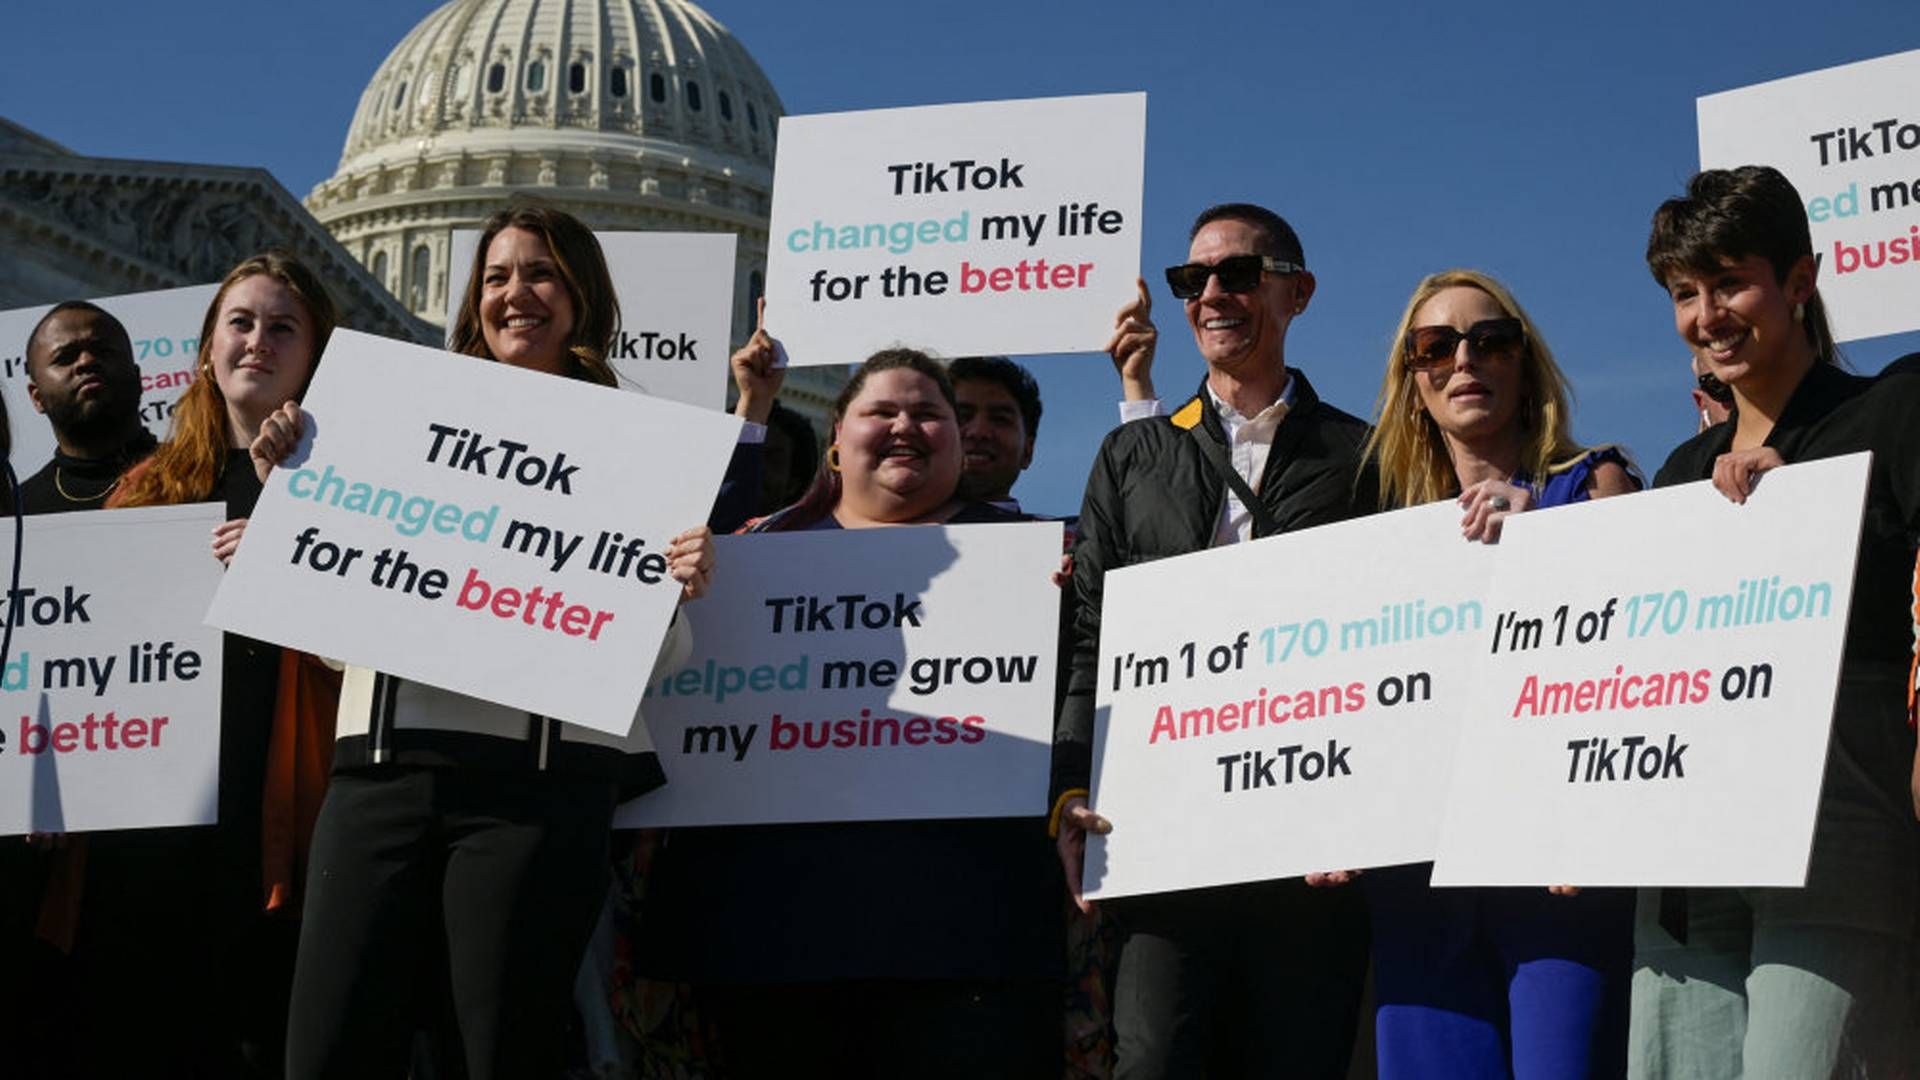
x,y
1408,448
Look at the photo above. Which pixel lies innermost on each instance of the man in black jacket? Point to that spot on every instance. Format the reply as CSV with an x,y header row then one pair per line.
x,y
1247,980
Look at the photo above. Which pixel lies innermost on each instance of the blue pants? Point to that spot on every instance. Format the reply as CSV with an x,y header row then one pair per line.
x,y
1477,983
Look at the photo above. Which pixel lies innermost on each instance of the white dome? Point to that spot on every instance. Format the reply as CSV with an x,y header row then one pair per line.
x,y
613,78
628,114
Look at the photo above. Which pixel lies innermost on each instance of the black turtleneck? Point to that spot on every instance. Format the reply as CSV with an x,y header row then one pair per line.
x,y
74,483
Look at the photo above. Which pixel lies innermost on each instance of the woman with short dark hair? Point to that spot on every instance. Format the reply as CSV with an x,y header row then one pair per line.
x,y
1817,981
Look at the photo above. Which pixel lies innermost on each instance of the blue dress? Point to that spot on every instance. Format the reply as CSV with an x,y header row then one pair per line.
x,y
1478,983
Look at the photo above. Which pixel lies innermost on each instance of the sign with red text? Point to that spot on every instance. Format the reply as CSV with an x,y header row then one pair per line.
x,y
990,227
111,683
1284,706
863,675
164,330
1656,686
676,309
477,527
1849,139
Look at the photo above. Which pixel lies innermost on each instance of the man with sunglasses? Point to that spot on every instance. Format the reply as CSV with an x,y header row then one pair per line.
x,y
1262,979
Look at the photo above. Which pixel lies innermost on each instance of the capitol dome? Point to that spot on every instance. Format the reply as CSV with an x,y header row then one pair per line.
x,y
629,114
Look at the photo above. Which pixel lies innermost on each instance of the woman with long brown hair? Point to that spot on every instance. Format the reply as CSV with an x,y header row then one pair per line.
x,y
463,845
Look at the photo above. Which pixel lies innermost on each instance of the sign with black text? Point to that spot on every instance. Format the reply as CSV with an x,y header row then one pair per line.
x,y
481,528
970,229
1656,686
112,683
1266,710
863,675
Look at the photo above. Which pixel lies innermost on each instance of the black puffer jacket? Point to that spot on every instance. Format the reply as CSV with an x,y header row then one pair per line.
x,y
1152,494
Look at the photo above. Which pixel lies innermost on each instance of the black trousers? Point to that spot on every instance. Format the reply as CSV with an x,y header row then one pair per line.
x,y
1260,980
426,884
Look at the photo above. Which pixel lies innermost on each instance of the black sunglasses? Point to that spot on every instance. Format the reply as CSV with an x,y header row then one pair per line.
x,y
1711,386
1238,274
1433,346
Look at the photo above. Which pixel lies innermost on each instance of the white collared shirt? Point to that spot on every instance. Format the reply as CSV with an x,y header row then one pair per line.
x,y
1249,440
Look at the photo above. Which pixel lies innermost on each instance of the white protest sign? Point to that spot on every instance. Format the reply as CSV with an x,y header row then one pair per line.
x,y
467,524
1297,720
992,227
1656,687
112,683
863,675
165,330
676,309
1849,139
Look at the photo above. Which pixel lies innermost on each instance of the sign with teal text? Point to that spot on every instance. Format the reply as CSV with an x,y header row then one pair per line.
x,y
863,675
477,527
111,686
979,228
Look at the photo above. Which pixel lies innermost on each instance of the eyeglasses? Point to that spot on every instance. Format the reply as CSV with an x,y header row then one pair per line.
x,y
1711,386
1237,273
1433,346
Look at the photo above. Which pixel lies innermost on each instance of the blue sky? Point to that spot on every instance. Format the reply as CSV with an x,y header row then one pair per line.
x,y
1531,140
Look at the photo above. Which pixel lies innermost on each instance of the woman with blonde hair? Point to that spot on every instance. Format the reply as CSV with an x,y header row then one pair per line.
x,y
1490,982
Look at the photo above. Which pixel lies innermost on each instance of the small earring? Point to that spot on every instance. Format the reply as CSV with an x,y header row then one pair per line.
x,y
833,457
1800,312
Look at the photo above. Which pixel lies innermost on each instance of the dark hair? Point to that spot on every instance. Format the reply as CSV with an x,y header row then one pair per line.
x,y
583,272
804,455
1011,377
1732,214
89,307
1280,241
824,493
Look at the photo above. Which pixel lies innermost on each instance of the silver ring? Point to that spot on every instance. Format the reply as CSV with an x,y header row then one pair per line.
x,y
1498,502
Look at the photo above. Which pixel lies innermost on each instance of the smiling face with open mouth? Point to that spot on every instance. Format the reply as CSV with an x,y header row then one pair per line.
x,y
899,448
262,352
526,312
1739,318
1478,393
1235,330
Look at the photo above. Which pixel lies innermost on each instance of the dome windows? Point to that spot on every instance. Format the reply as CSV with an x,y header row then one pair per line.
x,y
400,95
657,87
380,269
421,273
753,117
693,95
577,77
536,76
726,107
496,77
617,81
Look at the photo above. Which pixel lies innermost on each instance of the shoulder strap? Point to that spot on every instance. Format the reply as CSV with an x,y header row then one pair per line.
x,y
1215,456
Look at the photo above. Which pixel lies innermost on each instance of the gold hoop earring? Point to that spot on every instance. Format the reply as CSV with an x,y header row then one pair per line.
x,y
833,457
